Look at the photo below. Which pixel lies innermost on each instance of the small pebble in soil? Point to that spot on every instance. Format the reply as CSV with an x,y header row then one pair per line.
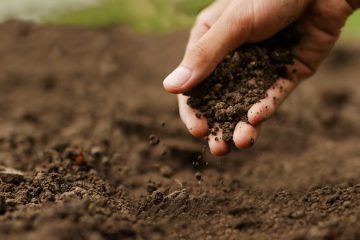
x,y
97,152
80,159
10,175
166,171
153,140
157,197
151,187
297,214
347,204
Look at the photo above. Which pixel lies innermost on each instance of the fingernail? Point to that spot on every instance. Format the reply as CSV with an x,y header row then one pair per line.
x,y
178,77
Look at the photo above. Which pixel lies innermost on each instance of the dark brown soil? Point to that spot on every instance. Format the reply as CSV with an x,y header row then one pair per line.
x,y
77,109
241,80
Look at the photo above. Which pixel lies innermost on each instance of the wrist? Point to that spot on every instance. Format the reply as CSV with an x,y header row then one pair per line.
x,y
355,4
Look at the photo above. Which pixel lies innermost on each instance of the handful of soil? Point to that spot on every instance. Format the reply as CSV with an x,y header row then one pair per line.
x,y
241,80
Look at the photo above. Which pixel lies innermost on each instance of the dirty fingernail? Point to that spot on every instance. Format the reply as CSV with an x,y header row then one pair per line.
x,y
178,77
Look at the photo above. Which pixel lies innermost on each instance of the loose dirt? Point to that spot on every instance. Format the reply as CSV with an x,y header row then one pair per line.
x,y
241,80
77,109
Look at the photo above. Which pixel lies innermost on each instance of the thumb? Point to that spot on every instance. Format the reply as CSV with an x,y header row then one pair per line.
x,y
242,21
201,57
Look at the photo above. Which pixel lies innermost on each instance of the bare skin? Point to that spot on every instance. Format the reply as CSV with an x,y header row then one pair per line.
x,y
226,24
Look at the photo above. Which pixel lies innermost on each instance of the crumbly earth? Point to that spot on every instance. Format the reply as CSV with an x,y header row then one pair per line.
x,y
241,80
77,109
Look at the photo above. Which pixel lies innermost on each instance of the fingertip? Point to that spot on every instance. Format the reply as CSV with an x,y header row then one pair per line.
x,y
177,89
219,150
245,135
175,82
260,111
197,127
275,96
172,89
218,147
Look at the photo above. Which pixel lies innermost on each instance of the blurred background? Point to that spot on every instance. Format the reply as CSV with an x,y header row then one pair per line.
x,y
143,15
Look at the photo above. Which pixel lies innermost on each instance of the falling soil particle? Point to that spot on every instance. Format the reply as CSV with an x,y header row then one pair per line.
x,y
241,80
198,115
153,140
198,176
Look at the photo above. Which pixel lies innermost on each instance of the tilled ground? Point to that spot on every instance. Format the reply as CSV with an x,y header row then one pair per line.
x,y
77,108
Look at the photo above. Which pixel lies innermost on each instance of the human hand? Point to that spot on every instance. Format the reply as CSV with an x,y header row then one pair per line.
x,y
226,24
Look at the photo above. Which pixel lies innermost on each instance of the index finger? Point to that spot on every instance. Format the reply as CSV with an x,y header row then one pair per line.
x,y
206,19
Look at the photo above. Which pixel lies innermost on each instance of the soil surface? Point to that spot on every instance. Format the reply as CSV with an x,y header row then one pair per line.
x,y
91,147
241,80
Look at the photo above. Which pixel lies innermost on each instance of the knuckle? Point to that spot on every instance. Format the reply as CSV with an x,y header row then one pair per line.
x,y
240,20
240,26
202,18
